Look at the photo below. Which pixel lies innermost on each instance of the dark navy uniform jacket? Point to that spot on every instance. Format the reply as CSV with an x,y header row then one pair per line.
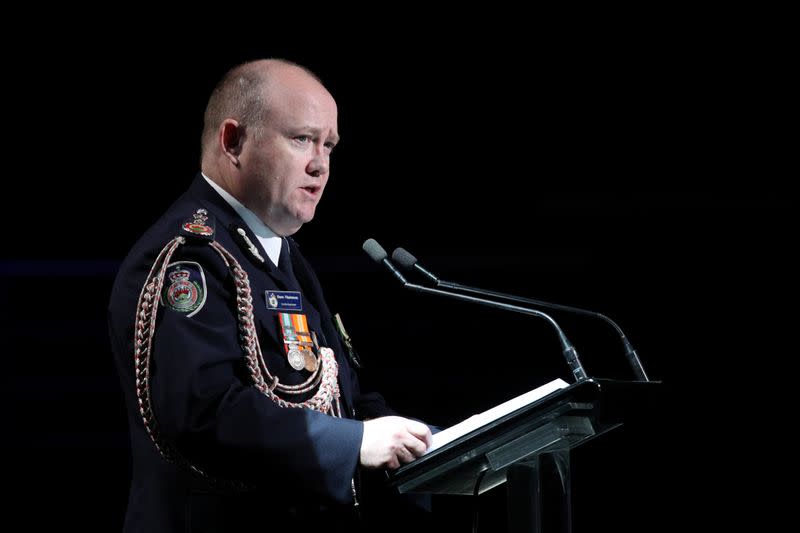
x,y
203,397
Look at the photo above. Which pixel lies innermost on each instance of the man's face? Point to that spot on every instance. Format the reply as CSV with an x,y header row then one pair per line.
x,y
285,169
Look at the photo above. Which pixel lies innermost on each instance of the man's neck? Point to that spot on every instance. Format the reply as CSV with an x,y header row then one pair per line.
x,y
270,241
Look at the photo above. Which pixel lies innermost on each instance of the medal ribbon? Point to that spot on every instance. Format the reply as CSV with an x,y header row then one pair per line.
x,y
295,330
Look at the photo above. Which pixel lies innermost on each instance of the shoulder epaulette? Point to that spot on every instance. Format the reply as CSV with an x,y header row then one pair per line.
x,y
200,227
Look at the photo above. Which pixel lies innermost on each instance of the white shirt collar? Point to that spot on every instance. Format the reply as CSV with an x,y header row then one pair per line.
x,y
268,239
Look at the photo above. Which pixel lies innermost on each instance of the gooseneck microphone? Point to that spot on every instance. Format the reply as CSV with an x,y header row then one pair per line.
x,y
379,255
409,262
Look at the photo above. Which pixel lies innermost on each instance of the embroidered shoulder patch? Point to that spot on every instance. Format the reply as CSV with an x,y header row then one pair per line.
x,y
184,287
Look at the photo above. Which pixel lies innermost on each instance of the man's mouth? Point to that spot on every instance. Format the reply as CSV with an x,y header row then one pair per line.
x,y
311,189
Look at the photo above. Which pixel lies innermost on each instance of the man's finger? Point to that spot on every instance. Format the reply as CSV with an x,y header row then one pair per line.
x,y
420,430
415,445
406,456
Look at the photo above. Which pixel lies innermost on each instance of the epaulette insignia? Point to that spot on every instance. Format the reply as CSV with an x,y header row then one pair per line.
x,y
200,227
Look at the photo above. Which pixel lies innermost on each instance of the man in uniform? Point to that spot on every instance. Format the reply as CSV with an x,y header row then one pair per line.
x,y
244,410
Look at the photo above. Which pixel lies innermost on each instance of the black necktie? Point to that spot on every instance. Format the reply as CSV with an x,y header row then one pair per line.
x,y
285,266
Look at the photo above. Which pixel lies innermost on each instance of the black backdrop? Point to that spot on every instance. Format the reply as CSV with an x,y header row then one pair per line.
x,y
635,176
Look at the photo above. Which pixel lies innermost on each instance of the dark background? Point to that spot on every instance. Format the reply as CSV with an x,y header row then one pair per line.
x,y
631,172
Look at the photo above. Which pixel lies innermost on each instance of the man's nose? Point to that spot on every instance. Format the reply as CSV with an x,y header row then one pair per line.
x,y
319,164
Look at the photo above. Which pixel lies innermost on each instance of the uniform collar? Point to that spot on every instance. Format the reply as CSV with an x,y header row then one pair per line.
x,y
268,239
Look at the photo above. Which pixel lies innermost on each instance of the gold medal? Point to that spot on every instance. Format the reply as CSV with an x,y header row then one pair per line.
x,y
311,360
296,358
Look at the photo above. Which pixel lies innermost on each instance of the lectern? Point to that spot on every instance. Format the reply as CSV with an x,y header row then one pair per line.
x,y
530,449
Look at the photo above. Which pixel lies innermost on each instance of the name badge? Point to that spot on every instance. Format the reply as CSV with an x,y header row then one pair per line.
x,y
284,301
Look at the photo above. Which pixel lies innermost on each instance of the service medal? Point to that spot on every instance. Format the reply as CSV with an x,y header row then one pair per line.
x,y
310,360
297,359
297,340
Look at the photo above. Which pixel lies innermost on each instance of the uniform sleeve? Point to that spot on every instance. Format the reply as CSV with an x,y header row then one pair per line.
x,y
206,405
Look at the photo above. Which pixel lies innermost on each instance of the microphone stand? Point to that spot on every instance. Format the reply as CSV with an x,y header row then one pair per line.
x,y
630,352
570,354
408,261
379,255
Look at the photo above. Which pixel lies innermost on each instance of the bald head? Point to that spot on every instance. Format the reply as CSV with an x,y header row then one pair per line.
x,y
270,128
243,94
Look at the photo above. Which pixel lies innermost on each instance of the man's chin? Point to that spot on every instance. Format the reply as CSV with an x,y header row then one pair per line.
x,y
306,217
292,228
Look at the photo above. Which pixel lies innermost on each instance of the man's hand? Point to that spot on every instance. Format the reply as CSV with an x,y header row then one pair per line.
x,y
390,441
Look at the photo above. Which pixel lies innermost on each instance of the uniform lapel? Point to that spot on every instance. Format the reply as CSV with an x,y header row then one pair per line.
x,y
313,292
248,251
254,258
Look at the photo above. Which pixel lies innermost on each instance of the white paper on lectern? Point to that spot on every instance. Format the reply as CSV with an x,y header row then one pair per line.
x,y
474,422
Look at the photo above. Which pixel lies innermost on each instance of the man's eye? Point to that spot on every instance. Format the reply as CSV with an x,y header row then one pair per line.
x,y
330,145
303,138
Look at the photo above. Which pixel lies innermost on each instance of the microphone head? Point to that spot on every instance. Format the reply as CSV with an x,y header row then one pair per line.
x,y
374,250
403,258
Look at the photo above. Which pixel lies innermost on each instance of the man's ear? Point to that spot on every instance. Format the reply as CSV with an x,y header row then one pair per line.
x,y
231,139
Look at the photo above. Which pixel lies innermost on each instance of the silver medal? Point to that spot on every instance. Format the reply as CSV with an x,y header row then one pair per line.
x,y
297,359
